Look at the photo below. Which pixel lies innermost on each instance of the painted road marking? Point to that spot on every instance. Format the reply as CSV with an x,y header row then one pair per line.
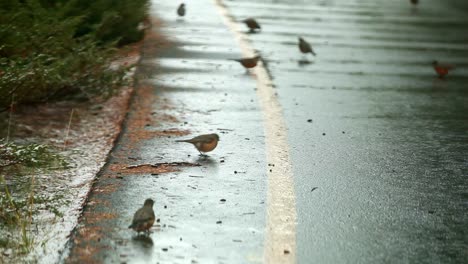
x,y
280,233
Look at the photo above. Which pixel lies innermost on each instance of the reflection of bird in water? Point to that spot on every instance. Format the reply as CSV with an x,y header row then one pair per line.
x,y
181,10
305,47
143,219
203,143
248,62
206,161
252,24
442,69
145,241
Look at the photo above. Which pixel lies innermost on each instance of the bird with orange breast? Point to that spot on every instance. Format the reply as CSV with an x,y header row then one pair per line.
x,y
181,10
442,69
248,62
143,219
252,24
305,47
203,143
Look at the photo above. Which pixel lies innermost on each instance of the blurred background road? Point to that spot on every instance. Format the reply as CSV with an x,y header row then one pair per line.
x,y
378,143
388,143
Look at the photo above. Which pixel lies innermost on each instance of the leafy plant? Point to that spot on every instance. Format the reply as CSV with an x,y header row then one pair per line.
x,y
30,155
18,214
53,49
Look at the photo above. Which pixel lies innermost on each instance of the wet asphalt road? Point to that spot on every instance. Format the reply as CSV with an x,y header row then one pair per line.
x,y
380,171
212,213
387,147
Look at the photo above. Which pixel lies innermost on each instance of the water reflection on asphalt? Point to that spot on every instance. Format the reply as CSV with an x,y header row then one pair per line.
x,y
388,143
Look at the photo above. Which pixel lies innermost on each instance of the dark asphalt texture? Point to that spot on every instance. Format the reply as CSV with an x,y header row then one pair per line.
x,y
385,149
212,213
378,143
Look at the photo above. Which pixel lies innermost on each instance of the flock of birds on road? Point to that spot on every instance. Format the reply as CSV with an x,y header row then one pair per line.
x,y
441,69
144,217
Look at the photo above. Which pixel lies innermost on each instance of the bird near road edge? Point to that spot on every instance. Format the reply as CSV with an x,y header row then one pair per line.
x,y
252,24
143,219
181,10
442,69
248,62
203,143
305,47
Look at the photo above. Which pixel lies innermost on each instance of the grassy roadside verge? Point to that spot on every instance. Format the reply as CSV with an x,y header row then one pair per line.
x,y
57,70
55,49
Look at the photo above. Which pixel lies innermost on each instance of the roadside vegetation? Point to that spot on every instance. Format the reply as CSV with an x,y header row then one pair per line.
x,y
19,202
52,50
55,49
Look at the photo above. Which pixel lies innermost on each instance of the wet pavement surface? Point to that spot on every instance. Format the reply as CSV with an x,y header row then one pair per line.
x,y
378,143
210,209
381,166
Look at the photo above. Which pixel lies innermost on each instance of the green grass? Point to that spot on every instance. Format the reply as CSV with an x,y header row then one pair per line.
x,y
17,217
29,155
56,49
17,209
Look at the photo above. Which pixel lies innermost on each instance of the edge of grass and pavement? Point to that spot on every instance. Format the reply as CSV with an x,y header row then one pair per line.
x,y
66,73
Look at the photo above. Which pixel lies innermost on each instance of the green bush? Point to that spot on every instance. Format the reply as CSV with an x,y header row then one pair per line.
x,y
110,20
52,49
29,155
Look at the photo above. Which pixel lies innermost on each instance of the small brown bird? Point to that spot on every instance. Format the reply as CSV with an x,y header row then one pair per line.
x,y
248,62
305,47
143,219
414,2
203,143
181,10
252,24
441,69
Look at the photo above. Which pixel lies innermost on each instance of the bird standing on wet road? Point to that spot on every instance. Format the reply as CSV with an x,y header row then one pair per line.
x,y
305,47
203,143
441,69
181,10
252,24
248,62
143,219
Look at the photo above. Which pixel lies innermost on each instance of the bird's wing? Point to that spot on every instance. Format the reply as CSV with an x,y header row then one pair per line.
x,y
305,46
202,139
445,65
142,216
210,139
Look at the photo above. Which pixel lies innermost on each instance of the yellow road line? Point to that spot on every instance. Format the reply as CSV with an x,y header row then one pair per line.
x,y
280,233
